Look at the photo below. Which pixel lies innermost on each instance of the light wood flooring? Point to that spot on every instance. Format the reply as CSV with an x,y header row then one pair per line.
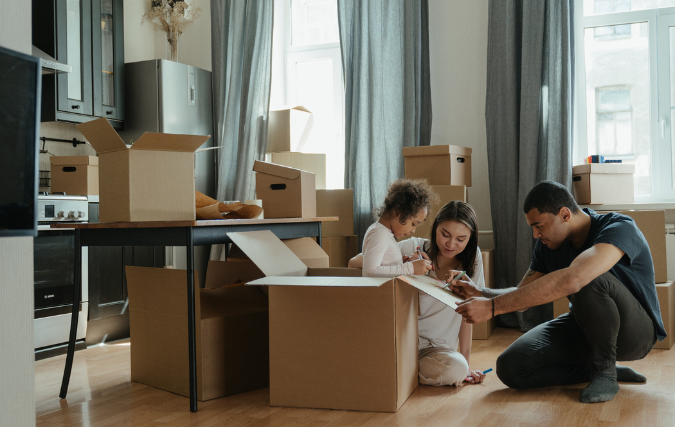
x,y
101,394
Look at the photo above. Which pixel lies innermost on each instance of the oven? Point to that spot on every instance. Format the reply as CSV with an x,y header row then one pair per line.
x,y
54,275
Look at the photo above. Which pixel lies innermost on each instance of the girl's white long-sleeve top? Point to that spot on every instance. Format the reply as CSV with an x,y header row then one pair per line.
x,y
382,255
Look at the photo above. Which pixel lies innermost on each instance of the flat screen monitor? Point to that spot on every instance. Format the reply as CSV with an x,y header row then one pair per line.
x,y
20,88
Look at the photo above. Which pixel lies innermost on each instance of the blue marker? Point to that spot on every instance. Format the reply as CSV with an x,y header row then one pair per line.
x,y
487,370
484,372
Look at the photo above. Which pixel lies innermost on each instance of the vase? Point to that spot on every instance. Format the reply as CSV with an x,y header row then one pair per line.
x,y
173,43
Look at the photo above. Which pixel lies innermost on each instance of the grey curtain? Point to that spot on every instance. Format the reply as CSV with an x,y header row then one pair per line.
x,y
528,117
385,62
241,63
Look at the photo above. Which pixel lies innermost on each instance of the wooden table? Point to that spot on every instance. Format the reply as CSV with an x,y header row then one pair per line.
x,y
173,233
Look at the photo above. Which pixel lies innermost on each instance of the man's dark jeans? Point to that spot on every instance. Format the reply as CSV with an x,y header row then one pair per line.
x,y
606,324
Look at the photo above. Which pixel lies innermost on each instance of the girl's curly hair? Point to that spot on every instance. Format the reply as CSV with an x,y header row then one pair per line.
x,y
406,198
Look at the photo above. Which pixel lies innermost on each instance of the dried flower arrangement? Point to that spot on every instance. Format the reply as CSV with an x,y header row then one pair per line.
x,y
171,16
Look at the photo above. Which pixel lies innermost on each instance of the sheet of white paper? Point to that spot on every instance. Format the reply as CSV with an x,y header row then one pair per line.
x,y
433,288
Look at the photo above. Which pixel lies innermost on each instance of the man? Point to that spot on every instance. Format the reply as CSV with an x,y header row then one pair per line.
x,y
603,265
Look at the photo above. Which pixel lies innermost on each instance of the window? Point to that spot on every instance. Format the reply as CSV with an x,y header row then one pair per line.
x,y
614,122
307,71
625,57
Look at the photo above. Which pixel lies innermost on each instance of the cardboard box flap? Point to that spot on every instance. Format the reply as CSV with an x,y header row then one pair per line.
x,y
603,168
286,107
276,170
436,150
169,142
269,253
308,251
102,136
73,160
429,286
352,282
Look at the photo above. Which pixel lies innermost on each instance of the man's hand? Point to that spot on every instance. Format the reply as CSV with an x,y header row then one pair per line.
x,y
464,288
475,310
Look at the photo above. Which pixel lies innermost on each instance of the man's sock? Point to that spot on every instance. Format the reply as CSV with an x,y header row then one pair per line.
x,y
601,389
630,375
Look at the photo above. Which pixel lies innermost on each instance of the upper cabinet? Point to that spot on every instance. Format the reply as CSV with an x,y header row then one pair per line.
x,y
88,35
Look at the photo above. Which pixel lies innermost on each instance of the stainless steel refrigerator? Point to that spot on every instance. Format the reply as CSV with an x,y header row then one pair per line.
x,y
168,97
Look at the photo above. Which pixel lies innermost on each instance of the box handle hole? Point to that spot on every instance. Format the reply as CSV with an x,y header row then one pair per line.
x,y
69,169
460,159
278,186
576,178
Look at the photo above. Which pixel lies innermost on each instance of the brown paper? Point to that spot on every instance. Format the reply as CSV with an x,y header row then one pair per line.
x,y
209,212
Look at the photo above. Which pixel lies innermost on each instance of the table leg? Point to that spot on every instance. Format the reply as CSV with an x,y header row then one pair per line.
x,y
318,238
75,316
192,342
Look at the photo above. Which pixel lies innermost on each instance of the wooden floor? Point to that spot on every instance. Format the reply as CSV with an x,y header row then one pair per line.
x,y
101,394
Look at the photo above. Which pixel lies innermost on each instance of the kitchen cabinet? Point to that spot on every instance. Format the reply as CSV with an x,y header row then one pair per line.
x,y
108,297
88,35
108,318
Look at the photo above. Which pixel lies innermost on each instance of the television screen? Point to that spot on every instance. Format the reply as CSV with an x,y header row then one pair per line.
x,y
20,88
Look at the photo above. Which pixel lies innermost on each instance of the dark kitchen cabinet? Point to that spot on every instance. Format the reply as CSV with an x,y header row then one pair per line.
x,y
88,35
108,297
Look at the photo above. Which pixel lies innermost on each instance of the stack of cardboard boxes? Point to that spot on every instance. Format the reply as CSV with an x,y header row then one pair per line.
x,y
287,132
337,238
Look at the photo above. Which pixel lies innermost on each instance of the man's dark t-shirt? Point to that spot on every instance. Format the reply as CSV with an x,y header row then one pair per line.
x,y
635,269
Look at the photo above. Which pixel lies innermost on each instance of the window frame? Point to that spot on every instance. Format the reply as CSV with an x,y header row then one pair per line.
x,y
662,164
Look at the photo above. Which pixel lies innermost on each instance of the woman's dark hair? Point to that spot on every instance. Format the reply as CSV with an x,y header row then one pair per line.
x,y
406,198
463,213
549,197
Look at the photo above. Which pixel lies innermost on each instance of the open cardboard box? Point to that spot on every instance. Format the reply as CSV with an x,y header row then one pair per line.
x,y
231,325
154,180
337,342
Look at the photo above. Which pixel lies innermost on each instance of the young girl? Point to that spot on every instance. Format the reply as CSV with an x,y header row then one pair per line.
x,y
444,339
405,207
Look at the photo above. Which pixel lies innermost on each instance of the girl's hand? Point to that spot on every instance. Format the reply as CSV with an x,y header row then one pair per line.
x,y
421,267
406,258
475,377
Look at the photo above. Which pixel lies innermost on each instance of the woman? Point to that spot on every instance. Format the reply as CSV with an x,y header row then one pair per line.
x,y
444,339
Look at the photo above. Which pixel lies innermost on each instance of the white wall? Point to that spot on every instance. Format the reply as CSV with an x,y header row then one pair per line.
x,y
458,58
17,384
142,42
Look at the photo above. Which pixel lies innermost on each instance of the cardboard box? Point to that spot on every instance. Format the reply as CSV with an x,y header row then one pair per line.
x,y
231,331
309,252
439,164
285,192
337,342
288,128
670,254
339,203
598,183
74,175
151,181
666,295
340,249
310,162
483,330
652,223
561,306
445,194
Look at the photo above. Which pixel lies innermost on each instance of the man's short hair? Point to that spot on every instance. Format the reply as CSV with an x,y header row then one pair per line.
x,y
550,197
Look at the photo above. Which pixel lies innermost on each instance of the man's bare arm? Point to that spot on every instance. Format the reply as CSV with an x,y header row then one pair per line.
x,y
590,264
529,277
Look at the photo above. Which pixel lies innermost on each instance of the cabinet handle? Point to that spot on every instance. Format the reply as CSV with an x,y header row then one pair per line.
x,y
108,112
75,107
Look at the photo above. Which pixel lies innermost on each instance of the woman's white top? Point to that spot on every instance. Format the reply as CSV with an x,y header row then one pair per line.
x,y
382,255
438,324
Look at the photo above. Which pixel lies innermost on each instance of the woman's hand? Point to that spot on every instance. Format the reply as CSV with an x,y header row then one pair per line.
x,y
421,267
475,377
